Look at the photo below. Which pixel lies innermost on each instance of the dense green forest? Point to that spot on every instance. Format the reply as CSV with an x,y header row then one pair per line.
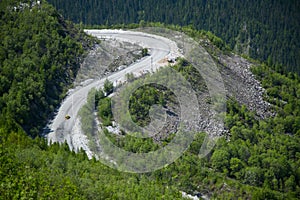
x,y
259,159
264,30
40,54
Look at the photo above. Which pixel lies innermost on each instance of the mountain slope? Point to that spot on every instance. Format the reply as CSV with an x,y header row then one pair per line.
x,y
259,159
40,54
265,30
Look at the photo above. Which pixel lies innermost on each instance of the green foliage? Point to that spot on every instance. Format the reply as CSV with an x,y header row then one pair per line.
x,y
141,101
258,154
86,114
30,169
129,77
191,74
108,87
144,52
261,154
99,94
265,30
146,95
284,93
40,54
220,160
133,144
104,111
259,159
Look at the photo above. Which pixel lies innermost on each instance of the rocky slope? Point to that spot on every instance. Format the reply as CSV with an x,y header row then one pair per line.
x,y
107,57
239,82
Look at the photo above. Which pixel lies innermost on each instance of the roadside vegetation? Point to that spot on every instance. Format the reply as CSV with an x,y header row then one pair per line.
x,y
40,54
259,158
87,119
39,57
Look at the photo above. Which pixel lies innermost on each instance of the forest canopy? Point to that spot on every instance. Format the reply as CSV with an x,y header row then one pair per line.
x,y
40,54
265,30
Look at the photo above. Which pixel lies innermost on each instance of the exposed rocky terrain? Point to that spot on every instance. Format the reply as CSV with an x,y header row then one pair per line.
x,y
107,57
239,83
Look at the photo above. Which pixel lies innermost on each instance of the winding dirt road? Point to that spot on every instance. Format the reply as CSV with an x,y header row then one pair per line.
x,y
61,129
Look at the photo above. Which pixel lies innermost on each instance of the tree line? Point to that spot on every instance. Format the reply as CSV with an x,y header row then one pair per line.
x,y
264,30
259,159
